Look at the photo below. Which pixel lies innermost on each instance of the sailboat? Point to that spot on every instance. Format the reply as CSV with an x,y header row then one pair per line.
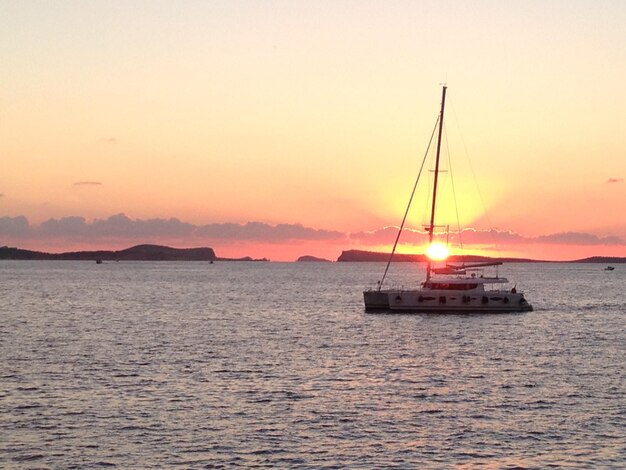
x,y
455,288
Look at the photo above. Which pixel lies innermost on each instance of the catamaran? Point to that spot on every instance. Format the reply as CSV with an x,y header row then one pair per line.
x,y
455,288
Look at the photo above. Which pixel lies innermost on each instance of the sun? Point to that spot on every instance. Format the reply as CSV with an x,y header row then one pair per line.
x,y
437,251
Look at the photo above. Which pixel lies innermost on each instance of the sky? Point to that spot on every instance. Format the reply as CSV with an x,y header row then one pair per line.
x,y
285,128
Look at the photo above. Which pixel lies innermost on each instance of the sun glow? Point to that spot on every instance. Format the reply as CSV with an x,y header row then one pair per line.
x,y
437,251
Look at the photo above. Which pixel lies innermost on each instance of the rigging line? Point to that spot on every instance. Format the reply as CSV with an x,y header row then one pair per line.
x,y
427,203
406,213
480,196
456,205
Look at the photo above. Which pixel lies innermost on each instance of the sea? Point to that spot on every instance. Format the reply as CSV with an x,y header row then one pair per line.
x,y
276,365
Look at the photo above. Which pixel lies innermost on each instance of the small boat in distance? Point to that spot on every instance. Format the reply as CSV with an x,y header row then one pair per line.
x,y
450,289
609,268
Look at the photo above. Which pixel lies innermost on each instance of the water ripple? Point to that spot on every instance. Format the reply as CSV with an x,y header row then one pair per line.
x,y
161,365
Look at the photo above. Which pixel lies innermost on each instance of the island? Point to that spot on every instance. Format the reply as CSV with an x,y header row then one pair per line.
x,y
144,252
315,259
372,256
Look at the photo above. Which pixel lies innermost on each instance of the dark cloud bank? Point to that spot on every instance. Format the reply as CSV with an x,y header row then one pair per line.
x,y
387,235
121,227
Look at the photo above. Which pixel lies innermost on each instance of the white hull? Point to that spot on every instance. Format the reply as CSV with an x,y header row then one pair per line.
x,y
445,301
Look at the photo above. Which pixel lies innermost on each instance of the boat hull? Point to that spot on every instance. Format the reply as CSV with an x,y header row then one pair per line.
x,y
376,300
437,301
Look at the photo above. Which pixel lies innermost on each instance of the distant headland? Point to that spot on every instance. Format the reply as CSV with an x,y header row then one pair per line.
x,y
135,253
309,258
364,256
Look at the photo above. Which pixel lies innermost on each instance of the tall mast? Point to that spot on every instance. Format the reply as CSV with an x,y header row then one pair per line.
x,y
431,228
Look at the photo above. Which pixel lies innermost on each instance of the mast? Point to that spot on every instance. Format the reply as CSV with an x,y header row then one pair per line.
x,y
431,228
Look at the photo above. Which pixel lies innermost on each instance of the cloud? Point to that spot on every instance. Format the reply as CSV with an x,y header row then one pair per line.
x,y
577,238
121,226
387,235
259,231
87,183
473,236
70,227
505,237
115,227
14,227
615,180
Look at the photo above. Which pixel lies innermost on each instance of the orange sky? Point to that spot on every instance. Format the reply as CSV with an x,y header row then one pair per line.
x,y
276,129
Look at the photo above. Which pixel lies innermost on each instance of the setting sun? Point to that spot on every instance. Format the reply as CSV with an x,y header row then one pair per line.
x,y
437,251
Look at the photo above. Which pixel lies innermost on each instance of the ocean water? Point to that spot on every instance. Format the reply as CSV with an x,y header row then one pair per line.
x,y
193,365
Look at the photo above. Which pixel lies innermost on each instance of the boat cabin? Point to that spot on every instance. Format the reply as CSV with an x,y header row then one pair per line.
x,y
471,283
449,286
